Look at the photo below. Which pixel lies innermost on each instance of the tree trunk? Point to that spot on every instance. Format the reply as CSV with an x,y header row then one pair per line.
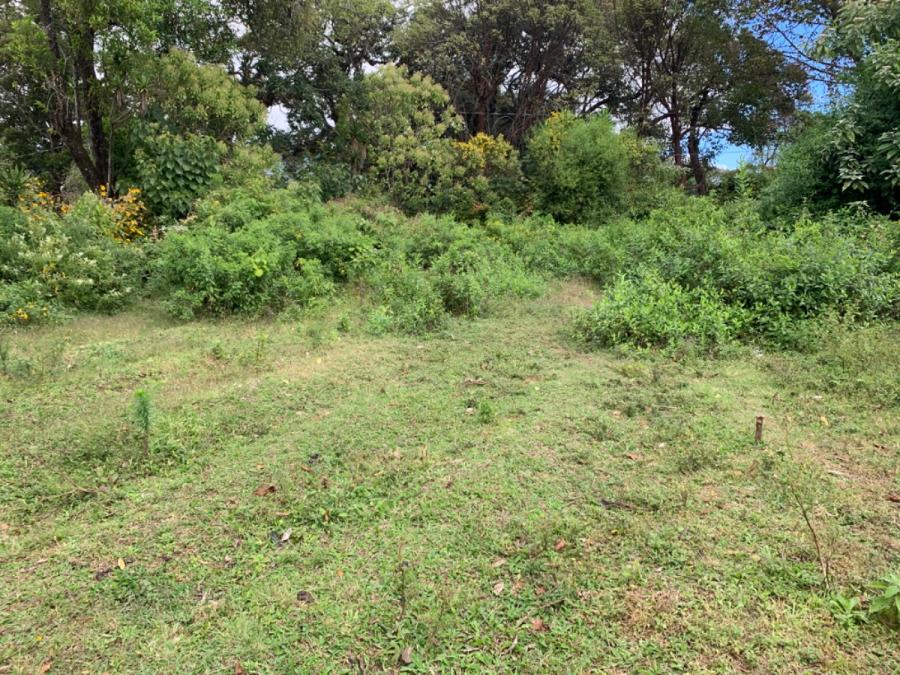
x,y
694,147
67,126
696,162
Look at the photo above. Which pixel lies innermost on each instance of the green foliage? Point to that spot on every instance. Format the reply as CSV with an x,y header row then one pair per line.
x,y
142,414
174,170
648,311
248,270
408,301
489,178
50,261
843,263
853,153
886,605
847,611
470,278
578,168
395,128
186,97
13,183
257,168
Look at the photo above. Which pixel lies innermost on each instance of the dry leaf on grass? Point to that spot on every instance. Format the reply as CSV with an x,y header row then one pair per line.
x,y
406,656
539,626
560,544
264,490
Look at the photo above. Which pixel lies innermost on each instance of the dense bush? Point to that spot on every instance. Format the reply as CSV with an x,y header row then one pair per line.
x,y
50,261
395,128
781,280
407,300
649,311
489,178
216,271
260,252
173,170
851,154
469,278
578,168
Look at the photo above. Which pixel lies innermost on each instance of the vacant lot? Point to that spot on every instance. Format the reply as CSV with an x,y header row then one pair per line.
x,y
313,498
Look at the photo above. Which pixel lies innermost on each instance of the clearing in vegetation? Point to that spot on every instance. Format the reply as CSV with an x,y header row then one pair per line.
x,y
300,495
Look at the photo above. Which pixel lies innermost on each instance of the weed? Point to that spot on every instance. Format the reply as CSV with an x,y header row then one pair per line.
x,y
142,413
886,605
486,413
847,611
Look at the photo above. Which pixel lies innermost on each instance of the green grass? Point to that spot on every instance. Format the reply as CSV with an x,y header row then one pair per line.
x,y
493,498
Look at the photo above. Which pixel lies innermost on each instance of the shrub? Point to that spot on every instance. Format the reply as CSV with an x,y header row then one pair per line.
x,y
578,168
215,271
174,170
394,127
490,177
13,183
48,260
648,311
409,303
843,263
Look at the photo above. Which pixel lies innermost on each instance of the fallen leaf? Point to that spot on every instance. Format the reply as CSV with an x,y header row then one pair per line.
x,y
286,535
121,564
894,498
539,625
499,562
406,656
305,597
518,585
824,420
540,590
239,669
498,588
46,665
633,456
560,544
264,490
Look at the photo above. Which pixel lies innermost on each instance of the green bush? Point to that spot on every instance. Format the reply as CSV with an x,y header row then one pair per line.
x,y
408,301
488,178
843,262
215,271
174,170
394,127
49,261
649,311
578,168
469,280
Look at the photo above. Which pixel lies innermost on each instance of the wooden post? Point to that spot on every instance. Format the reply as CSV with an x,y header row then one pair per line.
x,y
759,428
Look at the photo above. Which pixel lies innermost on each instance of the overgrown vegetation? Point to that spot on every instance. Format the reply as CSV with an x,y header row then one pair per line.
x,y
480,303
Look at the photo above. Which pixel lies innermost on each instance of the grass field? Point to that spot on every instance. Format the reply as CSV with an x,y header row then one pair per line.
x,y
491,499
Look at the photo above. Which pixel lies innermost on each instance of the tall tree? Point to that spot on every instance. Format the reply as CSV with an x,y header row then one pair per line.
x,y
693,74
87,67
305,55
794,28
505,63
